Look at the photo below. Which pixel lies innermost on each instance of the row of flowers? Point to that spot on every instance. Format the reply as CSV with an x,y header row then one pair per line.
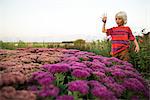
x,y
86,75
67,75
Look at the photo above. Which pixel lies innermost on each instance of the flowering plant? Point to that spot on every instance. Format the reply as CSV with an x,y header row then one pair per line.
x,y
61,74
95,77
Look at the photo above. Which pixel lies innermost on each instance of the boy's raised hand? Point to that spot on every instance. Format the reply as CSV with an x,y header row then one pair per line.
x,y
104,18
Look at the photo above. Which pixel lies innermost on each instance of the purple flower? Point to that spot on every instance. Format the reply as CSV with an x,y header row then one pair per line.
x,y
98,57
90,53
49,90
118,73
40,75
79,85
70,51
81,53
65,97
58,68
108,70
88,70
100,75
87,63
94,83
107,63
134,75
98,62
127,64
33,88
80,73
46,80
75,67
135,98
70,59
113,76
116,88
129,68
107,80
134,84
46,66
123,68
103,93
117,67
113,59
79,64
43,78
97,67
83,57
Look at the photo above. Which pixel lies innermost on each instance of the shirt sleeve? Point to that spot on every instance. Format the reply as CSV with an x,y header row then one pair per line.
x,y
131,36
109,31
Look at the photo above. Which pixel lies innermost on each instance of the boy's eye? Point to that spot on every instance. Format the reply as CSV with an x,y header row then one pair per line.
x,y
119,18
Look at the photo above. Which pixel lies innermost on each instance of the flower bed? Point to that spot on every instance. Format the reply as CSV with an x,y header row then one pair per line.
x,y
71,75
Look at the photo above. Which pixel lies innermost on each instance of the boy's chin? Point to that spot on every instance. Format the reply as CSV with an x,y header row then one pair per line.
x,y
120,24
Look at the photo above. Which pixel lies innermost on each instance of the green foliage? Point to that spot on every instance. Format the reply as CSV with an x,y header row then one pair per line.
x,y
100,47
21,44
39,45
7,45
141,60
79,44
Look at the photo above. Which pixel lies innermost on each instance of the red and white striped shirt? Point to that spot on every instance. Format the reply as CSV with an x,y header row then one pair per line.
x,y
120,38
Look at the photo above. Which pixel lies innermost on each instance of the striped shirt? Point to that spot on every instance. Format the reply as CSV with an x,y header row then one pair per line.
x,y
120,38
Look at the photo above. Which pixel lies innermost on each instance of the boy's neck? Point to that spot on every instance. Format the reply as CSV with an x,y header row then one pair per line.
x,y
120,25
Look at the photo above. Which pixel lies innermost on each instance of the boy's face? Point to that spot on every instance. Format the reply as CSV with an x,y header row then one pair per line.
x,y
119,21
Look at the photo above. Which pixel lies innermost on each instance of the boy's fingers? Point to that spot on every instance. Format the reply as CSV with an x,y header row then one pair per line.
x,y
136,50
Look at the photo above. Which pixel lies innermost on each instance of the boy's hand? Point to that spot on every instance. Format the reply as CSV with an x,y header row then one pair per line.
x,y
104,19
137,49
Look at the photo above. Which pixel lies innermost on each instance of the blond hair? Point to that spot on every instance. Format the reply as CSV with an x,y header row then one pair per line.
x,y
123,15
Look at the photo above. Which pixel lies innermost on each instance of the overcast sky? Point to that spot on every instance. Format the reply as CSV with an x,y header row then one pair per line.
x,y
65,20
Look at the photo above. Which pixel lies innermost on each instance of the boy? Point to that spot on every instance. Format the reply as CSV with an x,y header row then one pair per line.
x,y
120,37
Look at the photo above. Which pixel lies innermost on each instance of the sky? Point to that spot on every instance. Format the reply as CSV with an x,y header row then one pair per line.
x,y
67,20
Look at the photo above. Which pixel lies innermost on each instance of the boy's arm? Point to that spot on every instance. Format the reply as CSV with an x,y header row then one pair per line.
x,y
137,49
104,19
132,38
104,30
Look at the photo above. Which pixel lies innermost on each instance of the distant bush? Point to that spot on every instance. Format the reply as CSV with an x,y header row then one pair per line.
x,y
22,44
79,44
7,45
39,45
100,47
